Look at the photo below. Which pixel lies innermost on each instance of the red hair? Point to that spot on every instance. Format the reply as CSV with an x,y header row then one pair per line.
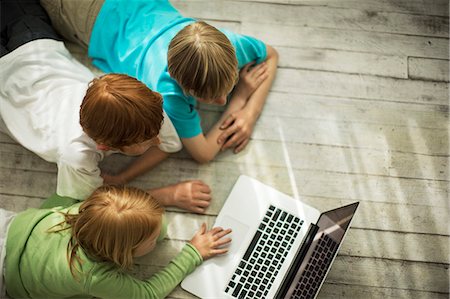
x,y
119,110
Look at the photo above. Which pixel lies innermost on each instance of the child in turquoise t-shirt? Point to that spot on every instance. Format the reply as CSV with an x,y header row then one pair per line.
x,y
85,250
184,60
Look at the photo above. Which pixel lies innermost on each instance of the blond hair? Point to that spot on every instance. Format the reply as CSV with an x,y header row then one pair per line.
x,y
111,224
119,110
203,61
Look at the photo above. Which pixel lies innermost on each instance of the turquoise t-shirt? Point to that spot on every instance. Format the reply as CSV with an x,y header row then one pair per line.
x,y
133,37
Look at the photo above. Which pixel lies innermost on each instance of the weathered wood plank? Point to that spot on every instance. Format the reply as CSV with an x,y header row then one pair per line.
x,y
347,134
419,7
389,273
349,40
297,105
346,291
340,159
27,183
428,69
14,156
396,245
360,86
342,61
18,203
305,156
4,138
352,18
303,181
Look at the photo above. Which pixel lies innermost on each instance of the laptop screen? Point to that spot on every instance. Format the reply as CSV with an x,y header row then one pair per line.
x,y
315,256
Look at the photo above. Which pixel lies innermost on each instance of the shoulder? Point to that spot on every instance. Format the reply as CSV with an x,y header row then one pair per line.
x,y
247,48
81,153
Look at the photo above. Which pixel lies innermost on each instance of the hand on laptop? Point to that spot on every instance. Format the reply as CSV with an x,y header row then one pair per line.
x,y
209,243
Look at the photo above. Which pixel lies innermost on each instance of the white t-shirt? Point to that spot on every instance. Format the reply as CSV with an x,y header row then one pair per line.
x,y
40,97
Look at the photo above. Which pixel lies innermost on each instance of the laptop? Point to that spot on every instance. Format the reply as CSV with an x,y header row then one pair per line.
x,y
281,248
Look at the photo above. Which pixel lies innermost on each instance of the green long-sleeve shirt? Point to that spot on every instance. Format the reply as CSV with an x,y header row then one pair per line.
x,y
37,266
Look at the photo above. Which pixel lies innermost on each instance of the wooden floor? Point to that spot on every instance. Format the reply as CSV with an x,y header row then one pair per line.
x,y
358,112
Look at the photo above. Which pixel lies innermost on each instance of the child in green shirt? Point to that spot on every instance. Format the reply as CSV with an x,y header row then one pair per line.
x,y
85,250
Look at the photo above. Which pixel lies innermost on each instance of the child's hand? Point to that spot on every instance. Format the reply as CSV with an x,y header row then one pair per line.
x,y
250,78
193,196
209,243
237,129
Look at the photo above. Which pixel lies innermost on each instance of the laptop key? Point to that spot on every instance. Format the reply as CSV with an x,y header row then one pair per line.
x,y
237,290
252,245
275,216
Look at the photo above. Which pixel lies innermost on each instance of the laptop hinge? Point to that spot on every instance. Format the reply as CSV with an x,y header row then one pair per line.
x,y
299,257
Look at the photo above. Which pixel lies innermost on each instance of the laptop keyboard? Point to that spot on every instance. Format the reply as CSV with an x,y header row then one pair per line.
x,y
265,255
316,268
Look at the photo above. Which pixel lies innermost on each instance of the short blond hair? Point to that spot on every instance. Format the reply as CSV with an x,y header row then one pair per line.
x,y
112,222
203,61
119,110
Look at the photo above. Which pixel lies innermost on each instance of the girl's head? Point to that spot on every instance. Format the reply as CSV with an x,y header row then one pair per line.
x,y
203,62
115,224
119,111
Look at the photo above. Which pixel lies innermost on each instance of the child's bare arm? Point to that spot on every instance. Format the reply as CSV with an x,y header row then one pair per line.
x,y
194,196
211,243
204,148
145,162
238,126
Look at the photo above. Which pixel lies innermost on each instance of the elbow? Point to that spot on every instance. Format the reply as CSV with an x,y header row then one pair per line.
x,y
272,53
203,159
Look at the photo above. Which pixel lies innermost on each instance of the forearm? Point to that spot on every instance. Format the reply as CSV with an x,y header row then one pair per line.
x,y
164,281
257,99
122,285
145,162
204,147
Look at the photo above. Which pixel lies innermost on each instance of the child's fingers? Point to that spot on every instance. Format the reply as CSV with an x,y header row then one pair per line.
x,y
202,196
227,122
219,251
202,187
247,67
237,140
222,242
202,229
258,67
260,71
226,135
199,210
215,230
202,203
242,145
223,233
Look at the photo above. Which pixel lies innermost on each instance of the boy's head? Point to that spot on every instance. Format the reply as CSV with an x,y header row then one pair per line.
x,y
119,111
115,224
203,62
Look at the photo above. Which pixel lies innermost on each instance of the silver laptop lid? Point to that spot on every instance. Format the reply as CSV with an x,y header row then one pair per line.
x,y
315,256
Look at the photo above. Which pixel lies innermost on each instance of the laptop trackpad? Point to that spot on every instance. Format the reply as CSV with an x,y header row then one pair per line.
x,y
238,234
